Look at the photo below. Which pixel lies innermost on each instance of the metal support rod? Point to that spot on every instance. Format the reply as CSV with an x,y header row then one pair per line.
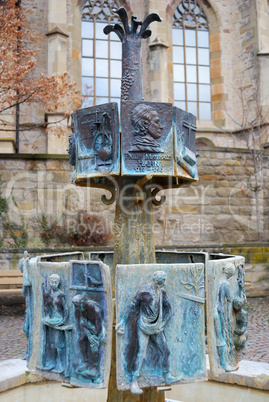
x,y
134,244
18,4
17,124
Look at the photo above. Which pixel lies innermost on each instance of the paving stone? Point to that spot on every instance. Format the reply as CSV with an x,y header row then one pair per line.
x,y
13,341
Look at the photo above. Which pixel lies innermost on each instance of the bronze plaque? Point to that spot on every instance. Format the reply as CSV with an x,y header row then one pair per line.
x,y
160,325
185,150
97,140
147,139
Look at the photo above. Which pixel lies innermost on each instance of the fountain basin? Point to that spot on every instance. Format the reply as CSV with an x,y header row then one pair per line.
x,y
250,383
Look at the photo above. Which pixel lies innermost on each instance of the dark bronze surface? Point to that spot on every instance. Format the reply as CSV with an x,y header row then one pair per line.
x,y
185,150
96,140
147,139
131,38
148,163
157,140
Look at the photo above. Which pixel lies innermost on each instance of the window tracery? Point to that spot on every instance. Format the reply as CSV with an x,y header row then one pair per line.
x,y
101,54
191,59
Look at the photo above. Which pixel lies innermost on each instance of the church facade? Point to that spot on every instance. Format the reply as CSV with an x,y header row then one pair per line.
x,y
208,57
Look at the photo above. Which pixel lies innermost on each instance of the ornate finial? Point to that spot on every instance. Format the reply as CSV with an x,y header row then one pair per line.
x,y
131,30
131,37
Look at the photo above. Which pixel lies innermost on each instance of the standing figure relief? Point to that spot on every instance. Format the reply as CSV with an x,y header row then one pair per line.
x,y
55,316
145,321
222,319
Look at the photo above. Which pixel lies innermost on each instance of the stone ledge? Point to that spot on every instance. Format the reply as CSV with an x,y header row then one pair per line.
x,y
198,247
250,374
34,156
11,298
209,148
13,373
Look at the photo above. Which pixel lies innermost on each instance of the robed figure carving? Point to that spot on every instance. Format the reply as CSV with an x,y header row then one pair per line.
x,y
222,318
55,316
240,336
145,320
91,336
27,292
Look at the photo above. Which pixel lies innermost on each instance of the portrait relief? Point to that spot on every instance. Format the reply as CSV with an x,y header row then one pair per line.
x,y
147,129
147,138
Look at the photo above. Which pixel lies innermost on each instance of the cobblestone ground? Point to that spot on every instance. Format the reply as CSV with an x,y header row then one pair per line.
x,y
13,340
258,328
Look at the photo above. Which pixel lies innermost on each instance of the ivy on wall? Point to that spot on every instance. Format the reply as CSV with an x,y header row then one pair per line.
x,y
86,229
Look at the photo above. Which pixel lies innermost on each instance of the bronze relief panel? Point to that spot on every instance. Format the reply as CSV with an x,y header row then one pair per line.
x,y
147,139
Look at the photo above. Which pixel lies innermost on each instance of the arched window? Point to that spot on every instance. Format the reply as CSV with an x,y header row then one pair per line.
x,y
191,59
101,54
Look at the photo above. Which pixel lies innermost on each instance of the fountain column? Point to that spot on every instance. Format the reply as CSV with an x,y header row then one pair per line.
x,y
134,237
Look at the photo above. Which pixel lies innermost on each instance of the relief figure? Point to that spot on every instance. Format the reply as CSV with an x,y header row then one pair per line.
x,y
103,141
91,335
241,281
147,129
27,292
241,322
145,320
222,318
55,316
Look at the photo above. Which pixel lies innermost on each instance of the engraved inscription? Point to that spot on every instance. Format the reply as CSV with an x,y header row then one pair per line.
x,y
146,162
147,141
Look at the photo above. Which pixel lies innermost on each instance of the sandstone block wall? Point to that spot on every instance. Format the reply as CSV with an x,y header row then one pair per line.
x,y
220,208
239,44
256,256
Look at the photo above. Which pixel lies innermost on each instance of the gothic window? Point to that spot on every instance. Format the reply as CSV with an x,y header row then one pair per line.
x,y
191,59
101,54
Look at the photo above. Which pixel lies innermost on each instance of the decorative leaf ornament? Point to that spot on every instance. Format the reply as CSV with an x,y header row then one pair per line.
x,y
131,30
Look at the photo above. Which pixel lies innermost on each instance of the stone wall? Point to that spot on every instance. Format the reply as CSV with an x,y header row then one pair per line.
x,y
256,255
219,208
239,44
35,139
